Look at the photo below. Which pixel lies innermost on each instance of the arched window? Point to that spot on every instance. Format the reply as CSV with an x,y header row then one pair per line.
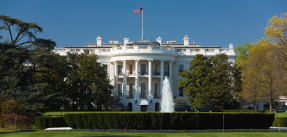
x,y
130,106
156,106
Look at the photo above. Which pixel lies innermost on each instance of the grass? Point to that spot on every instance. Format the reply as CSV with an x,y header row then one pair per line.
x,y
283,114
61,113
41,133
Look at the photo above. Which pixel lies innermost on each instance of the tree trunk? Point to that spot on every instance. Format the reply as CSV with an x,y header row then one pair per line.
x,y
270,105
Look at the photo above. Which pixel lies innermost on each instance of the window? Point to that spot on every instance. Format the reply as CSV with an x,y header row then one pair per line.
x,y
130,89
166,70
131,69
155,72
143,90
180,90
180,67
105,67
155,90
120,69
120,90
209,50
143,69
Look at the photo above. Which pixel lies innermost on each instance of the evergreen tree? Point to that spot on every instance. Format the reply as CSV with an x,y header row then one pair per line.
x,y
209,82
29,71
87,82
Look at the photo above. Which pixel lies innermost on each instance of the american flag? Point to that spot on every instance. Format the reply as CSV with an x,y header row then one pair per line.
x,y
137,11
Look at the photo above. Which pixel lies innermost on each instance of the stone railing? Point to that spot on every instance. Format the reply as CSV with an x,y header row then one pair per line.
x,y
149,49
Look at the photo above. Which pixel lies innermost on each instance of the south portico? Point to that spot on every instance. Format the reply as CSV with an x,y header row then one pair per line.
x,y
138,80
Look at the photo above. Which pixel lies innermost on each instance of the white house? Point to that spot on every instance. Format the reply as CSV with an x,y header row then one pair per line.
x,y
137,69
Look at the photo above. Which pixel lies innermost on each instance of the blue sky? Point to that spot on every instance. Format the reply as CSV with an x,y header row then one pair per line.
x,y
207,22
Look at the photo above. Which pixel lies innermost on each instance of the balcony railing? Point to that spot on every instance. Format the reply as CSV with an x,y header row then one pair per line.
x,y
142,73
156,96
148,49
130,96
156,73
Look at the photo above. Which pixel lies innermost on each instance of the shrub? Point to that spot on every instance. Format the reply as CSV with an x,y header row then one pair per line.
x,y
43,122
177,121
280,122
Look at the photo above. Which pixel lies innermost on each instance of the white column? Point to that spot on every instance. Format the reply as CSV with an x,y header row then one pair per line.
x,y
149,78
161,75
125,79
137,80
170,75
116,78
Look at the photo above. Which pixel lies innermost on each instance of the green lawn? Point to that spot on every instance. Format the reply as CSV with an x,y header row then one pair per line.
x,y
133,134
59,113
284,114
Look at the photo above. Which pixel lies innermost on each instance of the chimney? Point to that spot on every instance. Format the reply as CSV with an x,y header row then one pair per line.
x,y
126,40
99,41
158,40
231,46
186,40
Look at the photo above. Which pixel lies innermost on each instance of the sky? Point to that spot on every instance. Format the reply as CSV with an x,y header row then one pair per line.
x,y
206,22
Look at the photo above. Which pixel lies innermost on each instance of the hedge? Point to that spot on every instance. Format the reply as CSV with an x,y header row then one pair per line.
x,y
43,122
280,122
176,121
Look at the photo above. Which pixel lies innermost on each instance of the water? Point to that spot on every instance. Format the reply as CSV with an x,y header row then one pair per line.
x,y
167,104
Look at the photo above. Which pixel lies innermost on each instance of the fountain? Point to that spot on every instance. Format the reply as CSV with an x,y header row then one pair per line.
x,y
167,104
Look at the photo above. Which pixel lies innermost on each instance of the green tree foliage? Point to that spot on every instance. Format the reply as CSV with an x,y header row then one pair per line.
x,y
41,80
265,77
19,30
87,82
242,55
29,70
209,81
277,30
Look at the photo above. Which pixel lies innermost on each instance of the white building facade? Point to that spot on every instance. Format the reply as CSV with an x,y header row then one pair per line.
x,y
137,69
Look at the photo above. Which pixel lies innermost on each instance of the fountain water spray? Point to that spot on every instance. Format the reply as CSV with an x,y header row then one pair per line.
x,y
167,104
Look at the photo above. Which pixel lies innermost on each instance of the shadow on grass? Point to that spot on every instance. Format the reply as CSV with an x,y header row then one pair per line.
x,y
115,136
14,131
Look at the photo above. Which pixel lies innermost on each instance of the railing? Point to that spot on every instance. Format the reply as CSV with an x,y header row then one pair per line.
x,y
156,96
148,49
143,96
156,73
130,96
142,73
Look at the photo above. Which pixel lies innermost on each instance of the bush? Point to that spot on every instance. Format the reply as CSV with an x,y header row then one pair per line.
x,y
177,121
43,122
280,122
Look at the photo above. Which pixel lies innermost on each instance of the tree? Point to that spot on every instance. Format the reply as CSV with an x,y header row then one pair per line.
x,y
221,82
264,76
277,30
87,81
208,81
29,70
20,30
242,55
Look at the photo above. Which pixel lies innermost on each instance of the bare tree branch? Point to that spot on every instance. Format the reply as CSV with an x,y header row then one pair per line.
x,y
9,29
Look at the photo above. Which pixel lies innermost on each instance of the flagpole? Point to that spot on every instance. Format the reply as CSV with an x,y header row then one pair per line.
x,y
142,22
